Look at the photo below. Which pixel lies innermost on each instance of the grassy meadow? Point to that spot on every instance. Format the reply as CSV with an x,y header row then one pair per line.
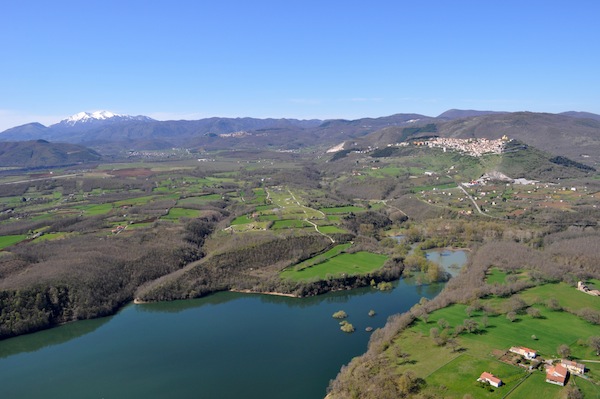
x,y
341,264
7,241
451,371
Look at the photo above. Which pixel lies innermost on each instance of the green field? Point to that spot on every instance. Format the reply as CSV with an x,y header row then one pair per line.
x,y
335,251
498,276
331,229
536,386
260,196
266,218
568,297
136,201
50,236
341,209
452,373
178,213
200,200
495,276
139,225
100,209
262,208
465,369
244,219
289,224
7,241
342,264
551,330
42,216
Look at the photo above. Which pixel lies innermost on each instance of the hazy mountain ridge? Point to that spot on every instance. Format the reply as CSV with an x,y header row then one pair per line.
x,y
586,115
572,134
452,114
128,131
40,153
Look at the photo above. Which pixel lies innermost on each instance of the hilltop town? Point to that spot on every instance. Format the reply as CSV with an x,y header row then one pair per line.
x,y
474,147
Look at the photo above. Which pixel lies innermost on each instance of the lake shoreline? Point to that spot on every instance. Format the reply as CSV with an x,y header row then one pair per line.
x,y
264,293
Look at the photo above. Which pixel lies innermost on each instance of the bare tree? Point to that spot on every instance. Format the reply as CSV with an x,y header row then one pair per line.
x,y
594,343
471,325
563,351
534,312
511,316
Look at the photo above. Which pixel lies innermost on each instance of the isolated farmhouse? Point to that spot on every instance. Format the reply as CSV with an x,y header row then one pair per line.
x,y
490,379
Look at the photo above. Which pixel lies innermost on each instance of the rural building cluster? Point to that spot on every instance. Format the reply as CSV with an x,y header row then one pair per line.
x,y
472,147
557,373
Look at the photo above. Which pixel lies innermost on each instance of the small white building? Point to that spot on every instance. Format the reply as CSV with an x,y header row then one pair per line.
x,y
525,352
490,379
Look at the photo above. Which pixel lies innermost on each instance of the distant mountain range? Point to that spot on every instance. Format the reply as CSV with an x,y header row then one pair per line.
x,y
572,134
464,113
40,153
85,120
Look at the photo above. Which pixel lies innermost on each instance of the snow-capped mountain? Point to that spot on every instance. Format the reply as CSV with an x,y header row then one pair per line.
x,y
86,118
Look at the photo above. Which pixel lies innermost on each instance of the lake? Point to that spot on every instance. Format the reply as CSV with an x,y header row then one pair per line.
x,y
227,345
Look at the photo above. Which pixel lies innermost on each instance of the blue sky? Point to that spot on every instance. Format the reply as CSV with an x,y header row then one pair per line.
x,y
298,59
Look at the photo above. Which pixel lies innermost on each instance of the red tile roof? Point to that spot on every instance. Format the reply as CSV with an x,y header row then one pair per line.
x,y
485,376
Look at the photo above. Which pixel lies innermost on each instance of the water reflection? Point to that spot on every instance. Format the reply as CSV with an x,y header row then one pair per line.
x,y
342,296
215,299
55,336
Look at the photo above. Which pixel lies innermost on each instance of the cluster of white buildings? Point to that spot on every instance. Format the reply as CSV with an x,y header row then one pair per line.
x,y
473,147
150,154
241,133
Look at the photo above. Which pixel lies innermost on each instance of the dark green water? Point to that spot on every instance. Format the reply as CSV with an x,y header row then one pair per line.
x,y
227,345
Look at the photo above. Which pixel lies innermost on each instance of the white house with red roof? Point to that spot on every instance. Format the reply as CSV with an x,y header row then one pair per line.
x,y
557,375
490,379
523,351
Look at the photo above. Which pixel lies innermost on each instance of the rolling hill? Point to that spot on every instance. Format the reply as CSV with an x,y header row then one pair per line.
x,y
575,138
40,153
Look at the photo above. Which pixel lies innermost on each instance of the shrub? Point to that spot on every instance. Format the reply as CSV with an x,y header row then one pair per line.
x,y
346,327
340,314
